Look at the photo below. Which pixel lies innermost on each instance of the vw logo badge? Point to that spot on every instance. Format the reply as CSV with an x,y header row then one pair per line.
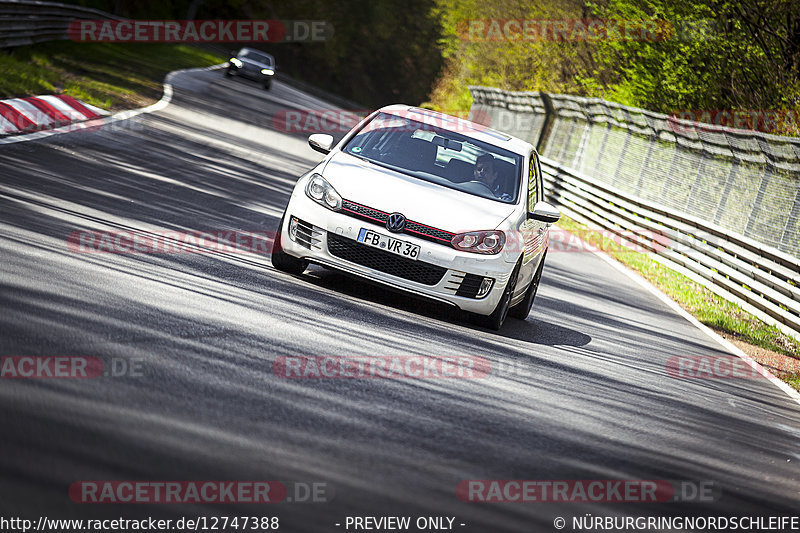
x,y
396,222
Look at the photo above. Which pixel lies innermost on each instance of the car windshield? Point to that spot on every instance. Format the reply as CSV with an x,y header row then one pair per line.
x,y
439,155
256,56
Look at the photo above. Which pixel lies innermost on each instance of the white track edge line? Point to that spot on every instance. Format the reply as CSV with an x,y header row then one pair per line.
x,y
793,394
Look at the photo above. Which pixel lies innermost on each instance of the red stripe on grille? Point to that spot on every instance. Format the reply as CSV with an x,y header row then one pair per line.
x,y
407,221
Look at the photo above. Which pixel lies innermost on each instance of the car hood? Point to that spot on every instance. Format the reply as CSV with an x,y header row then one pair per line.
x,y
421,201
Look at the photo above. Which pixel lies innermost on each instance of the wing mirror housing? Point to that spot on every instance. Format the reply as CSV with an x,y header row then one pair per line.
x,y
544,212
321,142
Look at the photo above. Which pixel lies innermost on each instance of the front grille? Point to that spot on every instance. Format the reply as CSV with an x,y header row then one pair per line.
x,y
423,231
366,212
386,262
379,217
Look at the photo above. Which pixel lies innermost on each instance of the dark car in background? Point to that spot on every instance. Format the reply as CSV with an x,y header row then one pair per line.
x,y
252,64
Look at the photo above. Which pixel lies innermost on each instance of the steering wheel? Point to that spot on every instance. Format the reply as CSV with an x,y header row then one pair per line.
x,y
483,184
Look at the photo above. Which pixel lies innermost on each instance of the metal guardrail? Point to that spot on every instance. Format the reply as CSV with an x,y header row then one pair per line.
x,y
763,281
622,191
25,22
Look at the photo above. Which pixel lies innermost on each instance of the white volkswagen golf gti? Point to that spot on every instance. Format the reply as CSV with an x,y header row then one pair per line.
x,y
427,203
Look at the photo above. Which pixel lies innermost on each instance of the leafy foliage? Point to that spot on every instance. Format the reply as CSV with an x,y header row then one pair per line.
x,y
710,54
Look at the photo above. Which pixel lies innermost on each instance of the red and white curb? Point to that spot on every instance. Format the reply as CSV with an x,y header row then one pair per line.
x,y
37,113
104,118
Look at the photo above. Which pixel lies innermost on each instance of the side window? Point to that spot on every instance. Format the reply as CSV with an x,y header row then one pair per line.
x,y
533,182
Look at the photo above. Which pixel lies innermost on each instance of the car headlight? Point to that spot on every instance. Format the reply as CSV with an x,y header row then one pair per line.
x,y
267,71
323,193
479,242
236,62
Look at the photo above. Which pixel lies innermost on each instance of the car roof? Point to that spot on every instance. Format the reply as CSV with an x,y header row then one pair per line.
x,y
245,48
460,125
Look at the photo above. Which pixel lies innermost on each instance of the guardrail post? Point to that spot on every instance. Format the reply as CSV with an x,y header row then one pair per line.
x,y
549,119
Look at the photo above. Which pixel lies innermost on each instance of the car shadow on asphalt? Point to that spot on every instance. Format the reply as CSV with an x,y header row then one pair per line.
x,y
535,329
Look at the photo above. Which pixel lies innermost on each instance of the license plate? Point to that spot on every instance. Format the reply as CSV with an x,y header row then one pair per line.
x,y
390,244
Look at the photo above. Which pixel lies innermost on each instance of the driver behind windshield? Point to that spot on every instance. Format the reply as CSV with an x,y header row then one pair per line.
x,y
486,172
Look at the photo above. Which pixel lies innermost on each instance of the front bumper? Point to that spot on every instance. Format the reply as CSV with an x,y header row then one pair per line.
x,y
253,74
329,238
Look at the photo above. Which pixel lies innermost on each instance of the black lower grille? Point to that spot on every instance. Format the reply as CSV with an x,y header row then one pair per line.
x,y
386,262
469,286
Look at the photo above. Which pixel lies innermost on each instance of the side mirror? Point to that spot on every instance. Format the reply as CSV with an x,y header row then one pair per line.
x,y
321,142
544,212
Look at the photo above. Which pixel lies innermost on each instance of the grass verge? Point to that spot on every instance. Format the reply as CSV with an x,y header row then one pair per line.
x,y
112,76
769,346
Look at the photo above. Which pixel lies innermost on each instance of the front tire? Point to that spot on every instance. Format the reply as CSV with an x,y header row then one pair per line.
x,y
283,261
498,316
228,72
523,308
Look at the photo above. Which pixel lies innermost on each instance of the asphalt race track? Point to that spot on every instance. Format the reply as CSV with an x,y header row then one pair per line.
x,y
579,391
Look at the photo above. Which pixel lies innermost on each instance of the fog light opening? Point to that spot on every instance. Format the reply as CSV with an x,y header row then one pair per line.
x,y
293,228
486,286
